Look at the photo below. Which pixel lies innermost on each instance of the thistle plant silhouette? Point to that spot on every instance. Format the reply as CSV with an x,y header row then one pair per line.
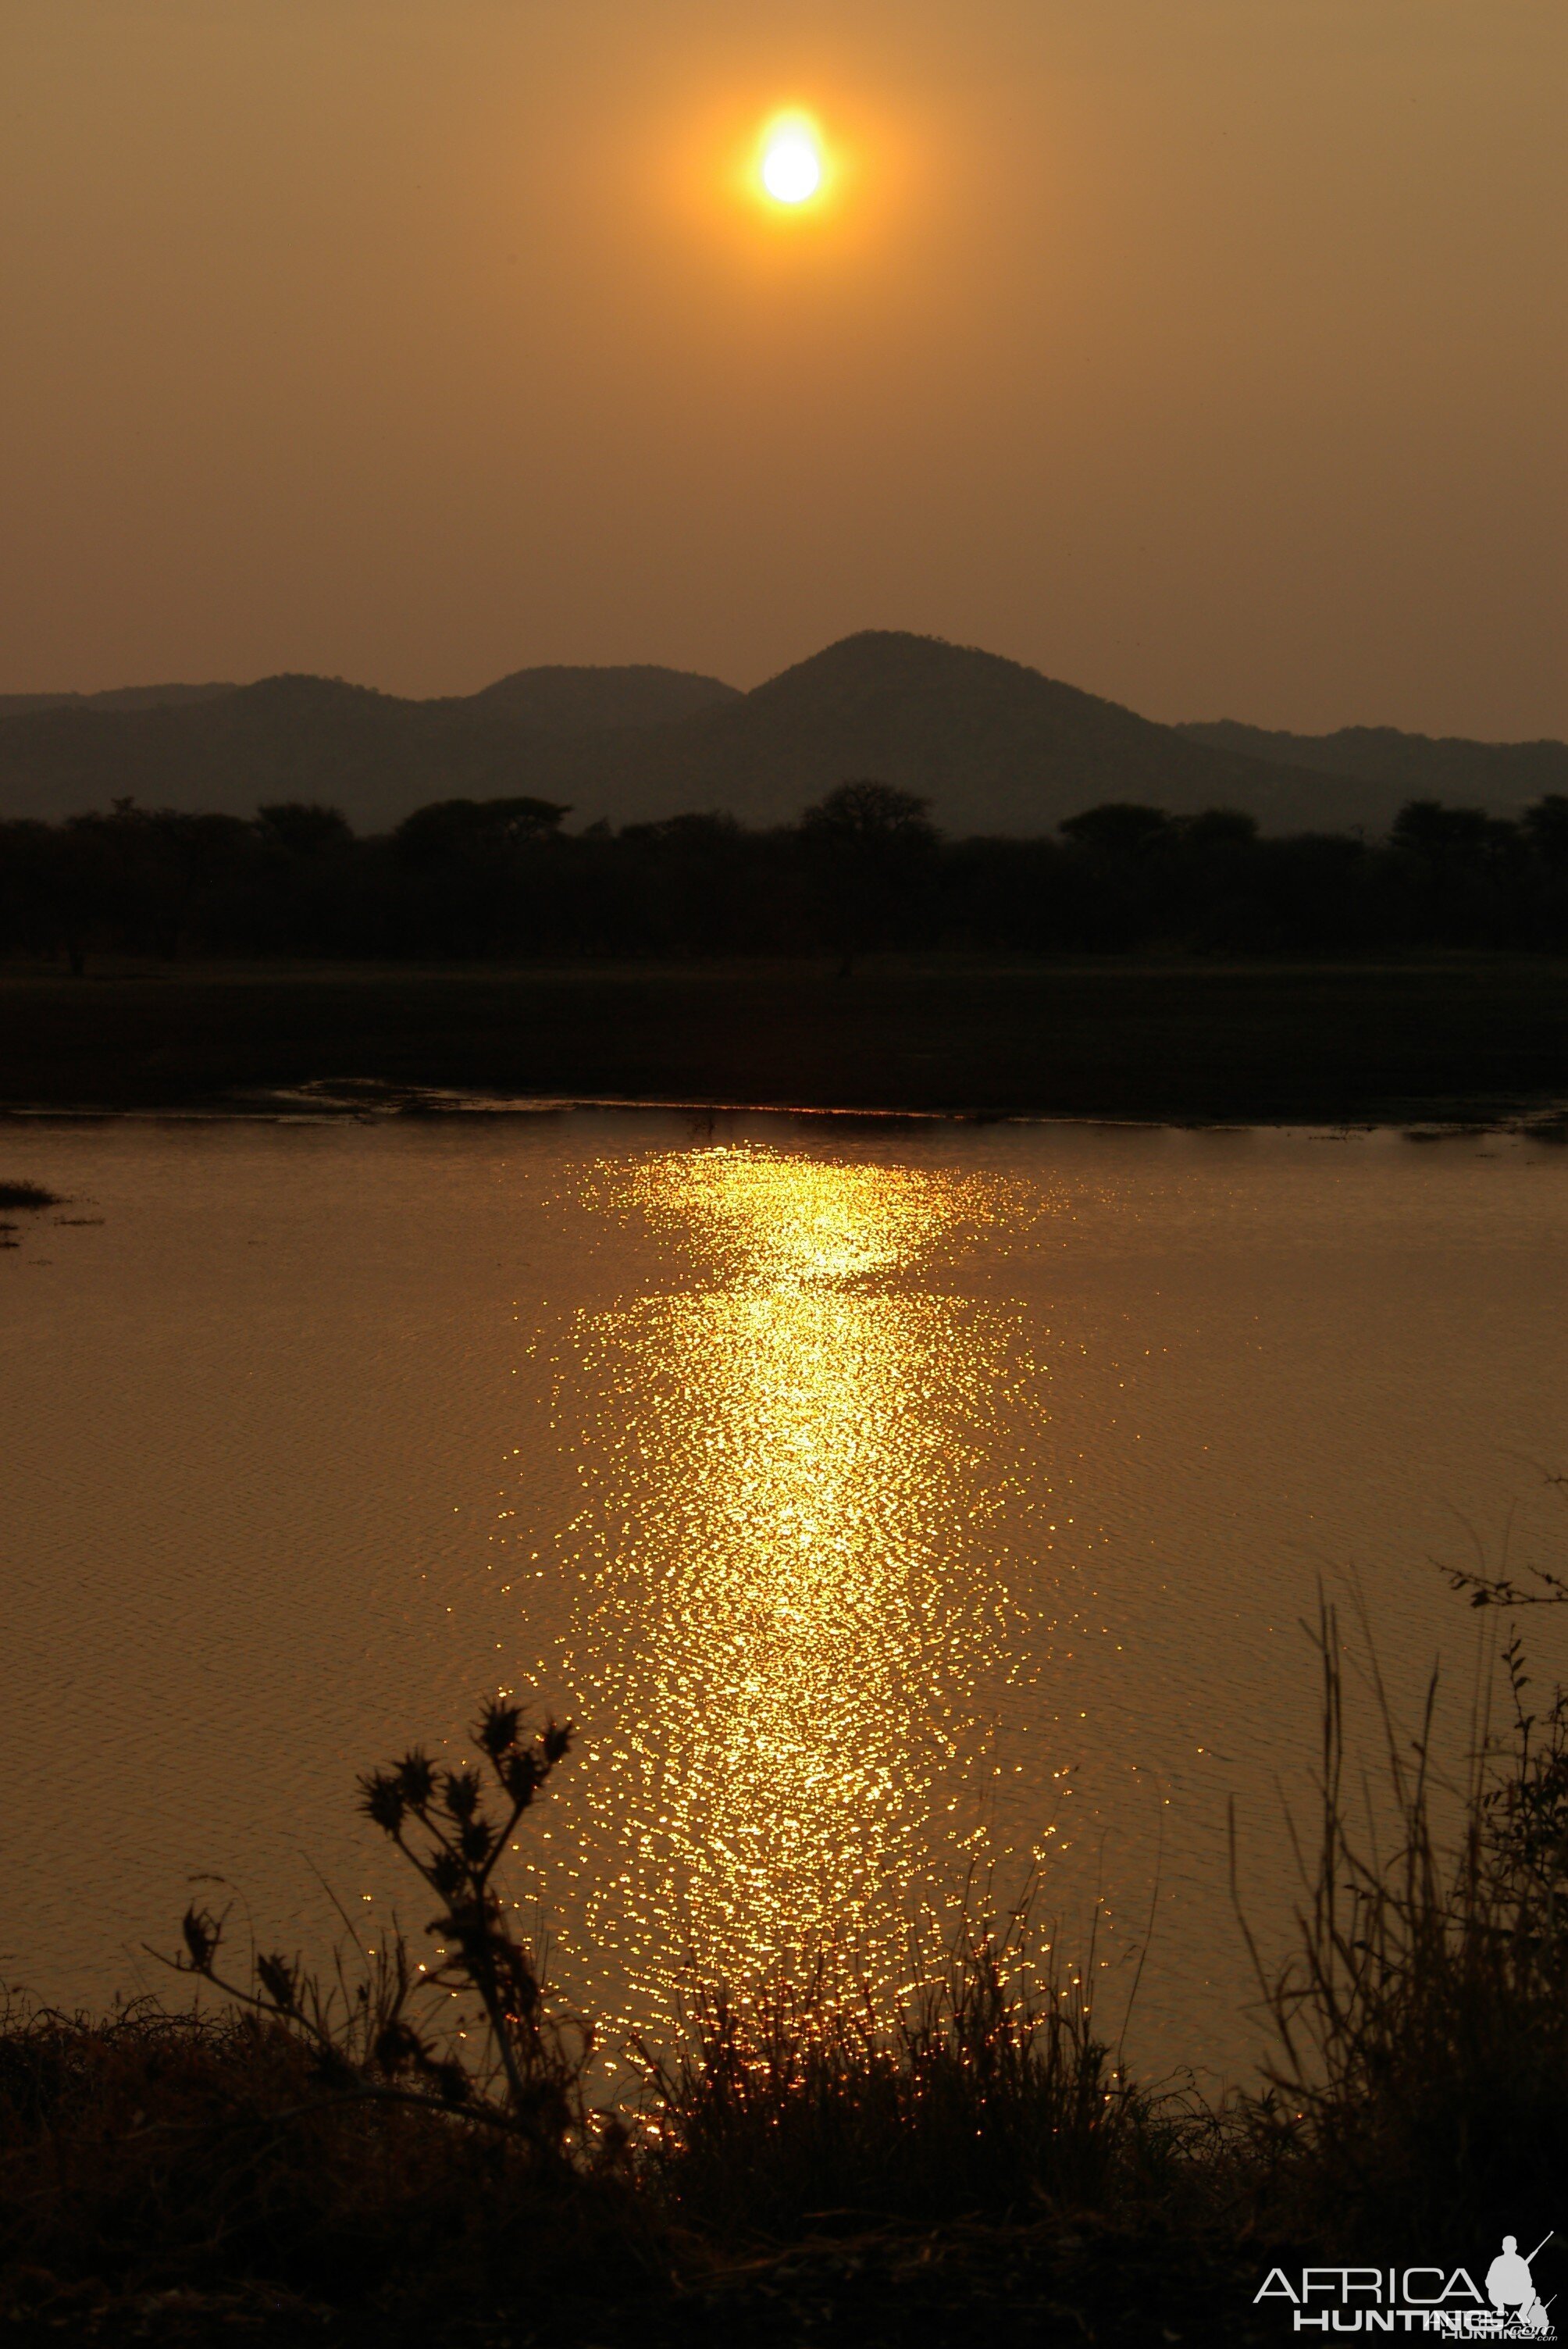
x,y
395,2035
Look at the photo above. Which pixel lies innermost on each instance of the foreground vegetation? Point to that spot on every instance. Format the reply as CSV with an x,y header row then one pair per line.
x,y
394,2154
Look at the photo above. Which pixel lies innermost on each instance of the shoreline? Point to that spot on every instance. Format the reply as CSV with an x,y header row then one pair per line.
x,y
1454,1042
1546,1123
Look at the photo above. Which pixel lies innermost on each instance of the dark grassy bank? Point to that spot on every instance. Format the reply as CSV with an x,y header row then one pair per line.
x,y
1480,1036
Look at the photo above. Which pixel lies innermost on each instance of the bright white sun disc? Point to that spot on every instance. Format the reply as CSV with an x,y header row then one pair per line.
x,y
791,168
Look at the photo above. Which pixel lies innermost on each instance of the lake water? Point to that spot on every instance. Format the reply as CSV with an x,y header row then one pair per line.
x,y
895,1505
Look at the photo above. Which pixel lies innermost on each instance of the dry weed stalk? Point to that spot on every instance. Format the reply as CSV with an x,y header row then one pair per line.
x,y
1423,2022
373,2042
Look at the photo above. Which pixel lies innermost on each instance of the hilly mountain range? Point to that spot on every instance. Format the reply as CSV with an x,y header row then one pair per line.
x,y
1500,776
995,746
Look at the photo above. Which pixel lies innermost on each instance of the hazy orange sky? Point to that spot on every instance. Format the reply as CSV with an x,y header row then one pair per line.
x,y
1210,354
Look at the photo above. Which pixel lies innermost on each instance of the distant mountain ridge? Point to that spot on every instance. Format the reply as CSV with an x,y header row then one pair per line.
x,y
995,746
1443,767
122,697
595,700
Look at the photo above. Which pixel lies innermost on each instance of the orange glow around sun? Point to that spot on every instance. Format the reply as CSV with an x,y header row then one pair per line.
x,y
784,179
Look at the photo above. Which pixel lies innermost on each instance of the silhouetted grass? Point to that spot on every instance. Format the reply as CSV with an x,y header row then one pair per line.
x,y
988,2093
155,2152
1422,2025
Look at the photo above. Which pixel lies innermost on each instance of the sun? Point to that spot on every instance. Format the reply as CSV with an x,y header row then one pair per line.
x,y
792,164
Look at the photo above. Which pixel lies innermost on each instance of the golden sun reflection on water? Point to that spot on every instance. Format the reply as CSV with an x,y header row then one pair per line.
x,y
794,1605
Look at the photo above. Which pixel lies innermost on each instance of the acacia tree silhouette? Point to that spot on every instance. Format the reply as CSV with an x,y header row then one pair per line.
x,y
869,845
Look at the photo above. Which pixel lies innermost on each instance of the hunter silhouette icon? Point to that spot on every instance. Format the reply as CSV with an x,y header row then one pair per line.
x,y
1510,2288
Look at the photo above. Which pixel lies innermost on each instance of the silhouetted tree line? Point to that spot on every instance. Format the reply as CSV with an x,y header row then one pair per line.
x,y
864,869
